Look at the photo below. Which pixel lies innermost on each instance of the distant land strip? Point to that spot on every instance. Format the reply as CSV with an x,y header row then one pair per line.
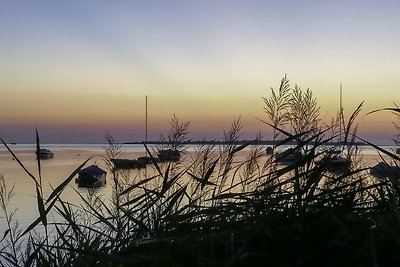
x,y
239,142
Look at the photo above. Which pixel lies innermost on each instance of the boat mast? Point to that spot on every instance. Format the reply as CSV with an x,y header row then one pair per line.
x,y
146,122
145,171
341,119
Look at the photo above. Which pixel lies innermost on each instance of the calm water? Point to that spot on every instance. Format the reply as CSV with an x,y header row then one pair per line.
x,y
54,171
66,159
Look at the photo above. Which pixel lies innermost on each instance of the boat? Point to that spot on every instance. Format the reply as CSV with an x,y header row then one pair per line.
x,y
384,170
128,163
337,163
44,154
92,176
334,160
169,155
138,163
147,160
289,156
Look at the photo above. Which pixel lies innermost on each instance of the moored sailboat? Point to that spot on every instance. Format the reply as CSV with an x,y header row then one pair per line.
x,y
335,161
44,153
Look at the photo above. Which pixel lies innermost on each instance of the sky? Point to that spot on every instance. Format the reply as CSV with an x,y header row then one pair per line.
x,y
78,69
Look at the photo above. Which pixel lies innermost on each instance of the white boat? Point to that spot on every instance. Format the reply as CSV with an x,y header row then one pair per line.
x,y
44,154
91,176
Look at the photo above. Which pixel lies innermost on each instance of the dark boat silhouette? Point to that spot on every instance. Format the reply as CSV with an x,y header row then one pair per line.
x,y
44,154
384,170
92,176
128,163
288,156
169,155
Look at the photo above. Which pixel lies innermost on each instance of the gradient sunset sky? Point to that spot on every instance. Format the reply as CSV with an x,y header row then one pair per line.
x,y
76,69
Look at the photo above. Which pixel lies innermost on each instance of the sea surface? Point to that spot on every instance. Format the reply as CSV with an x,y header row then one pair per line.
x,y
67,157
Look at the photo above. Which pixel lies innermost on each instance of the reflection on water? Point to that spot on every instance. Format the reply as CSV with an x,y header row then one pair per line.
x,y
66,159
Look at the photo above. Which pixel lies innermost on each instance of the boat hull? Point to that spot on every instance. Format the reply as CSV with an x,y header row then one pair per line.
x,y
92,176
128,163
44,154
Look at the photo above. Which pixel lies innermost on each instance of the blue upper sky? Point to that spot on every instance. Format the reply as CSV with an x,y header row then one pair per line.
x,y
92,62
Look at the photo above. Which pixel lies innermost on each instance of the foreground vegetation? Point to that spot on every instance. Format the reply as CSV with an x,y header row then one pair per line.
x,y
229,205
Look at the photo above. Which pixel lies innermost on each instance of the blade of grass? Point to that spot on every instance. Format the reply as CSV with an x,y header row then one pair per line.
x,y
42,211
132,187
37,156
138,222
241,147
351,121
397,110
390,154
67,214
98,215
38,220
209,173
174,198
58,190
200,180
19,162
153,159
5,234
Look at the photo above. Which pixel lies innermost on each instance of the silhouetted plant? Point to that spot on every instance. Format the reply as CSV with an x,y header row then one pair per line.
x,y
11,243
304,112
276,107
177,135
396,112
113,150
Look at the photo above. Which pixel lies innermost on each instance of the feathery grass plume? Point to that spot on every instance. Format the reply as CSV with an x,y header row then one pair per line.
x,y
177,133
11,244
227,153
176,137
113,150
276,107
304,112
251,169
119,180
204,160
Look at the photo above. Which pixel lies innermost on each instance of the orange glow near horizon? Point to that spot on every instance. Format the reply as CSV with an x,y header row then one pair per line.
x,y
90,69
207,115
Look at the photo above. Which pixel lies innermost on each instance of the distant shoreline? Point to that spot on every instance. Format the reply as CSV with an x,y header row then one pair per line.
x,y
202,142
239,142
